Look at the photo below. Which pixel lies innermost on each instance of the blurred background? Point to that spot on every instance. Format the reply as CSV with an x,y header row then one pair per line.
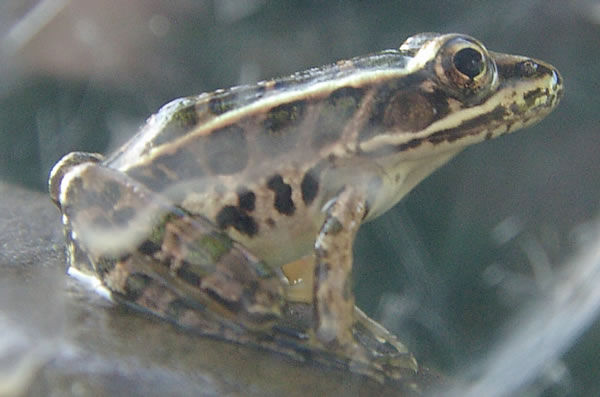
x,y
469,258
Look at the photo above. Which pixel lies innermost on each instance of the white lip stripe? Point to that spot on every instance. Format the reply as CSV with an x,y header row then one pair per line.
x,y
502,97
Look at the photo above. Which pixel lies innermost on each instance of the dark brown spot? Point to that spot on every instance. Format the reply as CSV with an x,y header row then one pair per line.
x,y
531,96
413,143
408,111
438,100
230,302
226,150
177,309
180,124
246,199
414,110
219,104
280,128
186,273
149,248
380,101
283,195
135,285
240,221
399,105
334,114
270,222
309,187
526,69
281,117
105,265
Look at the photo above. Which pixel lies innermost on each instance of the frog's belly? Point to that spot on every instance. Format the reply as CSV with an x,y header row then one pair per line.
x,y
285,242
276,238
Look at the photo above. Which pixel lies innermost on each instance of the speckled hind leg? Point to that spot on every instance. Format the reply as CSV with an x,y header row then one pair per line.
x,y
154,256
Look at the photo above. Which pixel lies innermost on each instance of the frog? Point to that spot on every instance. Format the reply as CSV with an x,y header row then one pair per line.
x,y
234,213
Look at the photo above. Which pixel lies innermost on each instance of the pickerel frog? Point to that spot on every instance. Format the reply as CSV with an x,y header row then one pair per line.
x,y
195,217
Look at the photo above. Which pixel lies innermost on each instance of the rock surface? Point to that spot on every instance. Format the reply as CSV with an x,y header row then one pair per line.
x,y
64,339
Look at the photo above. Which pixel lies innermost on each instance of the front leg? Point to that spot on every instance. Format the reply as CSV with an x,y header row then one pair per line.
x,y
338,325
333,302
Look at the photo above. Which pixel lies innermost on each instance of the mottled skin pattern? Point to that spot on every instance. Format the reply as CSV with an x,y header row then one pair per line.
x,y
332,281
192,218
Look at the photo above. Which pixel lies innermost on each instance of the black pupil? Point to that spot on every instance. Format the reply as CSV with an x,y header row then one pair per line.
x,y
469,62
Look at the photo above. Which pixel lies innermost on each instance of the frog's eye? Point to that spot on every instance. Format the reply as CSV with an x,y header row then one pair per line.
x,y
465,69
469,62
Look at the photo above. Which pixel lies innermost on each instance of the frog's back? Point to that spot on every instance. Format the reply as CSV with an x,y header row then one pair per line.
x,y
254,126
253,159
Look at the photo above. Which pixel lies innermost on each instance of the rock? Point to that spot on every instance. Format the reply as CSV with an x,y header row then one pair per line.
x,y
60,336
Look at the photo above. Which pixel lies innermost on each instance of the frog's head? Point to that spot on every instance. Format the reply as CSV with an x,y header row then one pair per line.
x,y
458,93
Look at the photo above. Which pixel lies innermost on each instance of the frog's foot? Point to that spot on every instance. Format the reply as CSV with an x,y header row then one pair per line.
x,y
373,351
385,353
158,258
